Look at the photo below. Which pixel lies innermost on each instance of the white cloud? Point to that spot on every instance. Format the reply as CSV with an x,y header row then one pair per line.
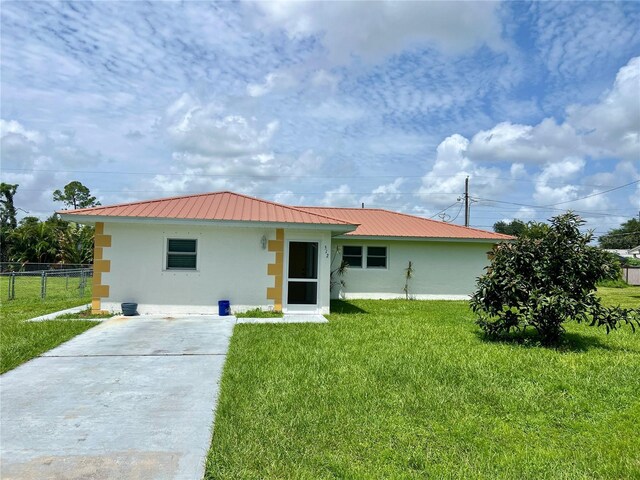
x,y
215,149
205,130
375,29
509,142
612,126
564,170
389,195
340,196
444,182
575,37
324,79
608,128
273,81
287,197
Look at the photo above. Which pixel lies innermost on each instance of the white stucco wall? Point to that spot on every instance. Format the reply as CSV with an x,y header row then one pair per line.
x,y
445,270
231,265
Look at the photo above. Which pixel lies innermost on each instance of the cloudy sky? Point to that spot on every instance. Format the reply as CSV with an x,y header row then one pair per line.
x,y
388,103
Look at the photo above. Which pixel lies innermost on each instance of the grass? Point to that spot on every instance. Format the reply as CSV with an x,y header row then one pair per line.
x,y
84,315
410,389
628,297
21,341
259,313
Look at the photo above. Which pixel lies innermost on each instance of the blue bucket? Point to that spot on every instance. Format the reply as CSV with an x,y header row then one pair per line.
x,y
224,308
129,309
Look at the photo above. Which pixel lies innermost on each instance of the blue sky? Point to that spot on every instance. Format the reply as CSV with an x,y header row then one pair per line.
x,y
323,103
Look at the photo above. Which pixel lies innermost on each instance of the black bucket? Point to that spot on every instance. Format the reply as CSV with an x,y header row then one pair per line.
x,y
224,308
129,309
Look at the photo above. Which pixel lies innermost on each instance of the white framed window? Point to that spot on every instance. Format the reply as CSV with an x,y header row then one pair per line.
x,y
352,256
376,257
182,253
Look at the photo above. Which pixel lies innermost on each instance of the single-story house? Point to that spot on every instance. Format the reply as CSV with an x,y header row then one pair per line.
x,y
624,253
184,254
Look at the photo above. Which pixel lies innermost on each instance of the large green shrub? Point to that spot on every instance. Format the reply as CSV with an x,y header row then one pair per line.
x,y
546,281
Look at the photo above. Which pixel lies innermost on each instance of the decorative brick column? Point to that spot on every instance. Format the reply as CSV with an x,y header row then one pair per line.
x,y
276,269
100,266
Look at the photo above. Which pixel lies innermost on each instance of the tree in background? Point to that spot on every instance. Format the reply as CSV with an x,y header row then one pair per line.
x,y
518,228
8,221
50,241
76,244
33,241
515,227
75,195
544,282
623,238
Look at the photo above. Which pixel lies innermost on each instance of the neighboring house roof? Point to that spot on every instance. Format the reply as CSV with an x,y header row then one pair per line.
x,y
375,222
635,250
622,252
234,207
221,206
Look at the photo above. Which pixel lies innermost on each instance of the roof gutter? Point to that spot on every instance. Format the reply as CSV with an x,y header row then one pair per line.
x,y
93,219
356,238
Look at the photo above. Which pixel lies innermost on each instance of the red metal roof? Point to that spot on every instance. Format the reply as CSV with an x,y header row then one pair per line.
x,y
227,206
374,222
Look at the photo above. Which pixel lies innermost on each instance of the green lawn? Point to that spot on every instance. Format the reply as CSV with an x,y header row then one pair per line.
x,y
19,340
397,389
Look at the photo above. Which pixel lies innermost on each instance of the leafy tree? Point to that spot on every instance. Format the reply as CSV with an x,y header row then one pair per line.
x,y
34,241
8,220
518,228
625,237
75,195
75,244
514,227
544,282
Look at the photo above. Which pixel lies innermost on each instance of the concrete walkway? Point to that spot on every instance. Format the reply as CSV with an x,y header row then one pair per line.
x,y
134,397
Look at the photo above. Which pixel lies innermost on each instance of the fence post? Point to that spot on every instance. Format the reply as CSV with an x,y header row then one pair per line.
x,y
12,286
43,286
81,283
66,277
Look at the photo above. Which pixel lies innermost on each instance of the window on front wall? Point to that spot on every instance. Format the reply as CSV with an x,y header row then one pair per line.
x,y
376,257
181,254
352,255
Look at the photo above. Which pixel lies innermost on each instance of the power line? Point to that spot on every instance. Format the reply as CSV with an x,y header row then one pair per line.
x,y
224,175
444,210
542,207
595,194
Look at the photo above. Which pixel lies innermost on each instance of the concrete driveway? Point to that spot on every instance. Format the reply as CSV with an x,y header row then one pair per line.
x,y
132,398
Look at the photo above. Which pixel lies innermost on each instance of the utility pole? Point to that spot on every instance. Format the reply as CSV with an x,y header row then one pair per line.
x,y
466,202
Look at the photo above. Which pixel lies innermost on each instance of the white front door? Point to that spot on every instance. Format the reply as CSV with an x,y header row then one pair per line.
x,y
301,292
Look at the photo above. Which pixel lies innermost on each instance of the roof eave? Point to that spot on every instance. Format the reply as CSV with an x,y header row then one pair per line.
x,y
385,238
92,219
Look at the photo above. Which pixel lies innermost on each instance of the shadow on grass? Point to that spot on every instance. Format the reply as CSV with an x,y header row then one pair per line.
x,y
345,308
570,342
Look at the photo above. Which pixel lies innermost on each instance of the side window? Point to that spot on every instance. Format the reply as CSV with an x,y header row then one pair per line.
x,y
181,254
376,257
352,255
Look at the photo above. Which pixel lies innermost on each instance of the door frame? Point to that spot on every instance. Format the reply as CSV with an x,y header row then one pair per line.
x,y
297,307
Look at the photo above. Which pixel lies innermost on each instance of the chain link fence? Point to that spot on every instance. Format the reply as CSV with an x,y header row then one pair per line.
x,y
47,284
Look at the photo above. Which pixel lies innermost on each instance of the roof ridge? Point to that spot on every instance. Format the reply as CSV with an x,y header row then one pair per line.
x,y
206,194
344,208
419,218
297,209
